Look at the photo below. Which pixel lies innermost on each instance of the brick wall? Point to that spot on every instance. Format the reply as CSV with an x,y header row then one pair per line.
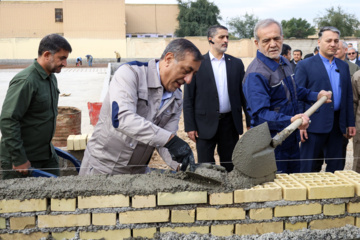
x,y
291,202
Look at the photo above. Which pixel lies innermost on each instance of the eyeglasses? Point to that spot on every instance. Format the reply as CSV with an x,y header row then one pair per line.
x,y
351,53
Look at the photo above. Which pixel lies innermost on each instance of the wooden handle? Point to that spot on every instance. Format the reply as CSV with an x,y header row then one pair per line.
x,y
280,137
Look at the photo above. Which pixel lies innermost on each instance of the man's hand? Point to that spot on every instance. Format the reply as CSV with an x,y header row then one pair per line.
x,y
23,168
303,135
181,152
305,120
193,135
325,93
350,132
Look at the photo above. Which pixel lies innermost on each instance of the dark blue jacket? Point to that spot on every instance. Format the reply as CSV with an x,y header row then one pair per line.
x,y
311,73
272,94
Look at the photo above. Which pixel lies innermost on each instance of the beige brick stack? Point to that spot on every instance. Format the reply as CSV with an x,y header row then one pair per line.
x,y
291,202
77,142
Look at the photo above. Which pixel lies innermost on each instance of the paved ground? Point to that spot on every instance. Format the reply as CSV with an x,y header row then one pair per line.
x,y
84,85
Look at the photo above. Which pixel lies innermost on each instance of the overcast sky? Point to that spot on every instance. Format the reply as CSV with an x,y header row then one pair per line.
x,y
277,9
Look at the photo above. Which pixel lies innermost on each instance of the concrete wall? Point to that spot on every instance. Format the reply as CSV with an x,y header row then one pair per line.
x,y
28,19
151,18
93,19
293,202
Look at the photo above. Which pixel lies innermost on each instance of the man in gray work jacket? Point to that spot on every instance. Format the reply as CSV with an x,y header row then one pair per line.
x,y
141,113
28,116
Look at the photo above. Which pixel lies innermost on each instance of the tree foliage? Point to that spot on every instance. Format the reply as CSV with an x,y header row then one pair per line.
x,y
347,23
297,27
196,17
243,26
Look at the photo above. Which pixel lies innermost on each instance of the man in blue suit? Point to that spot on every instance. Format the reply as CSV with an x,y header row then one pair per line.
x,y
331,121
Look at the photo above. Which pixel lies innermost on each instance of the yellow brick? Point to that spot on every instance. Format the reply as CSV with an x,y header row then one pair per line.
x,y
325,185
182,216
331,223
297,210
334,209
108,235
353,207
261,193
18,223
220,214
292,190
222,230
145,216
144,201
17,236
77,142
181,198
296,226
186,230
46,221
104,201
144,232
2,223
63,204
352,177
261,213
32,205
357,222
259,228
82,141
70,142
221,198
63,235
104,219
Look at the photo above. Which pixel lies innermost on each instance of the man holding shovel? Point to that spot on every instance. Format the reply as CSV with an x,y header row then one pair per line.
x,y
272,94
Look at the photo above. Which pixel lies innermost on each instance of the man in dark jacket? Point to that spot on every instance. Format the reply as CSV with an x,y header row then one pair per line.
x,y
28,116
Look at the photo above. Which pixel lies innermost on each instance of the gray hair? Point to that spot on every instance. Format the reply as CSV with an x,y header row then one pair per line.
x,y
213,30
344,45
264,23
351,48
179,47
53,43
328,28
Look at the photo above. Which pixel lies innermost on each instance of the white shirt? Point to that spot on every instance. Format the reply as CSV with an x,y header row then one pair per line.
x,y
219,69
353,61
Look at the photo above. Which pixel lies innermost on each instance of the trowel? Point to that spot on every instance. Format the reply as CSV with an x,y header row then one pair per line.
x,y
254,152
207,172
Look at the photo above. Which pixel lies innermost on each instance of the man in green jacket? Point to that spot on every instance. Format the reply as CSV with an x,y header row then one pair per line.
x,y
28,116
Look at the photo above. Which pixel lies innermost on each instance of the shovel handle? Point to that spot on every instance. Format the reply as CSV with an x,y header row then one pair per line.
x,y
280,137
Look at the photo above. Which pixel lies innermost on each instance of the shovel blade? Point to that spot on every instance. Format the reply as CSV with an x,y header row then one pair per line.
x,y
253,154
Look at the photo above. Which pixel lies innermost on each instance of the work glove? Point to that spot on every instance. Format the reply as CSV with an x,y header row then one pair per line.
x,y
181,152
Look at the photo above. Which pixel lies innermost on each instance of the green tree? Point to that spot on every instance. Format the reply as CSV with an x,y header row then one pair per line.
x,y
243,26
347,23
297,27
196,17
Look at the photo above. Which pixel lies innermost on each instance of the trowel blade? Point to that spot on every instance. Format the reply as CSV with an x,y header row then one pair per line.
x,y
253,154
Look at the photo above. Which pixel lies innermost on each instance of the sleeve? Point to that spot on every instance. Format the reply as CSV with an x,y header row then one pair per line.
x,y
172,126
16,103
301,79
355,82
189,102
257,93
124,99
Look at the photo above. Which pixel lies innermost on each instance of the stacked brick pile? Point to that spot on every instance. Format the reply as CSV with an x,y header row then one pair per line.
x,y
291,202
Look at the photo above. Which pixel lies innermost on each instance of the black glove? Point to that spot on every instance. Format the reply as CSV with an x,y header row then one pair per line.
x,y
181,152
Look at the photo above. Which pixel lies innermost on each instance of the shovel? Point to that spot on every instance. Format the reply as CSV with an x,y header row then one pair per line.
x,y
254,152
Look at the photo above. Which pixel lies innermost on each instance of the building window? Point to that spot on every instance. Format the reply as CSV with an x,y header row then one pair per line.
x,y
58,14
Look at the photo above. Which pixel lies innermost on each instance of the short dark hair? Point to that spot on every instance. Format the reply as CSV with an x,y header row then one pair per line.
x,y
285,49
298,50
213,30
316,49
179,47
53,43
328,28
